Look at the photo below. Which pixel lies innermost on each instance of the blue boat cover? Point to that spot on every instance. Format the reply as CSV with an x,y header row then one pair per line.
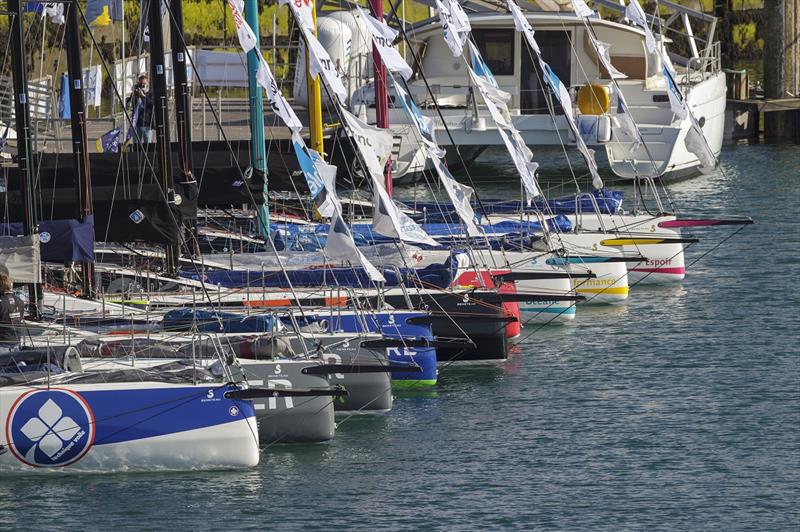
x,y
608,202
61,240
215,321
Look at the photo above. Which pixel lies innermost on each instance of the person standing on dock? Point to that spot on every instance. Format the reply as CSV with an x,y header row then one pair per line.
x,y
141,103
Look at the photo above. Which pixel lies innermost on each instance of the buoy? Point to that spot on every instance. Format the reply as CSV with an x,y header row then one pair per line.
x,y
594,99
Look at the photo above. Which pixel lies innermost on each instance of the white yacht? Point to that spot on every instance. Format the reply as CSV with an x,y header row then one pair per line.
x,y
564,38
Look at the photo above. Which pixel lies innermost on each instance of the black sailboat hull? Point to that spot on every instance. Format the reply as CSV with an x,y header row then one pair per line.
x,y
478,319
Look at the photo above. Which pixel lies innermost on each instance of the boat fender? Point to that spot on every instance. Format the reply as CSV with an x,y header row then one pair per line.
x,y
594,99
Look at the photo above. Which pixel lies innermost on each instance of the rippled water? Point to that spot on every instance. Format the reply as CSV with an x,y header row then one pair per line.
x,y
680,409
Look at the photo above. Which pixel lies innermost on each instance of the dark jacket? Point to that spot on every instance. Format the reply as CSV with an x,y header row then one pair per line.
x,y
12,310
145,118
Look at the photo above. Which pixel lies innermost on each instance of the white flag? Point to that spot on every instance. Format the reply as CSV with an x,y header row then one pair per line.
x,y
340,246
696,143
247,39
636,15
55,11
424,124
280,106
522,25
602,49
455,25
386,217
302,13
521,155
581,9
562,94
626,122
319,60
321,63
383,36
676,103
460,195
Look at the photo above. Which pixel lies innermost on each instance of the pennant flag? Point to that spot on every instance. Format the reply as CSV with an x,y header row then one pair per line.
x,y
522,157
460,195
109,141
497,102
245,34
625,120
455,25
340,246
103,12
375,148
319,60
382,37
313,179
602,49
697,143
264,77
676,103
302,13
424,125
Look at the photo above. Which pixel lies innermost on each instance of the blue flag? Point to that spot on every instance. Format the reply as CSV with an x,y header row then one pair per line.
x,y
109,141
103,12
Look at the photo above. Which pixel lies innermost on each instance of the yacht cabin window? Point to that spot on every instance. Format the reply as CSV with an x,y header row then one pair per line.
x,y
497,48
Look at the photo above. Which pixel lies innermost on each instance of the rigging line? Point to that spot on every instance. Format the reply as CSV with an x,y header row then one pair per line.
x,y
698,259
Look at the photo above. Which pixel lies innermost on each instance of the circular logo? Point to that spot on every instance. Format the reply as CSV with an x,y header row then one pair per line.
x,y
233,411
44,237
50,428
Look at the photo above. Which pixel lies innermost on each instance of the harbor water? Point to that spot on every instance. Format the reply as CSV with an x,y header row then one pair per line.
x,y
677,410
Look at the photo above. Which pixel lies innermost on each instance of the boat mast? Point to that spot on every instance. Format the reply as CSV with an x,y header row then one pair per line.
x,y
22,123
314,96
258,154
161,115
80,149
183,109
381,96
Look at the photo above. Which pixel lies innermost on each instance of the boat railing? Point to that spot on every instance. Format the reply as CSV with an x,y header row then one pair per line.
x,y
579,209
683,23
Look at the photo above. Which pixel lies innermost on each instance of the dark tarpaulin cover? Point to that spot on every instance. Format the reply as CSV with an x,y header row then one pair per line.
x,y
438,275
61,240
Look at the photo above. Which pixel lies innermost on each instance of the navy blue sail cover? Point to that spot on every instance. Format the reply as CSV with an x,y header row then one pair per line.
x,y
61,240
216,321
607,201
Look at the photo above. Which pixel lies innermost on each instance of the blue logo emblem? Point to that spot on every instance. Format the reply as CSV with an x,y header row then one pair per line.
x,y
50,428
